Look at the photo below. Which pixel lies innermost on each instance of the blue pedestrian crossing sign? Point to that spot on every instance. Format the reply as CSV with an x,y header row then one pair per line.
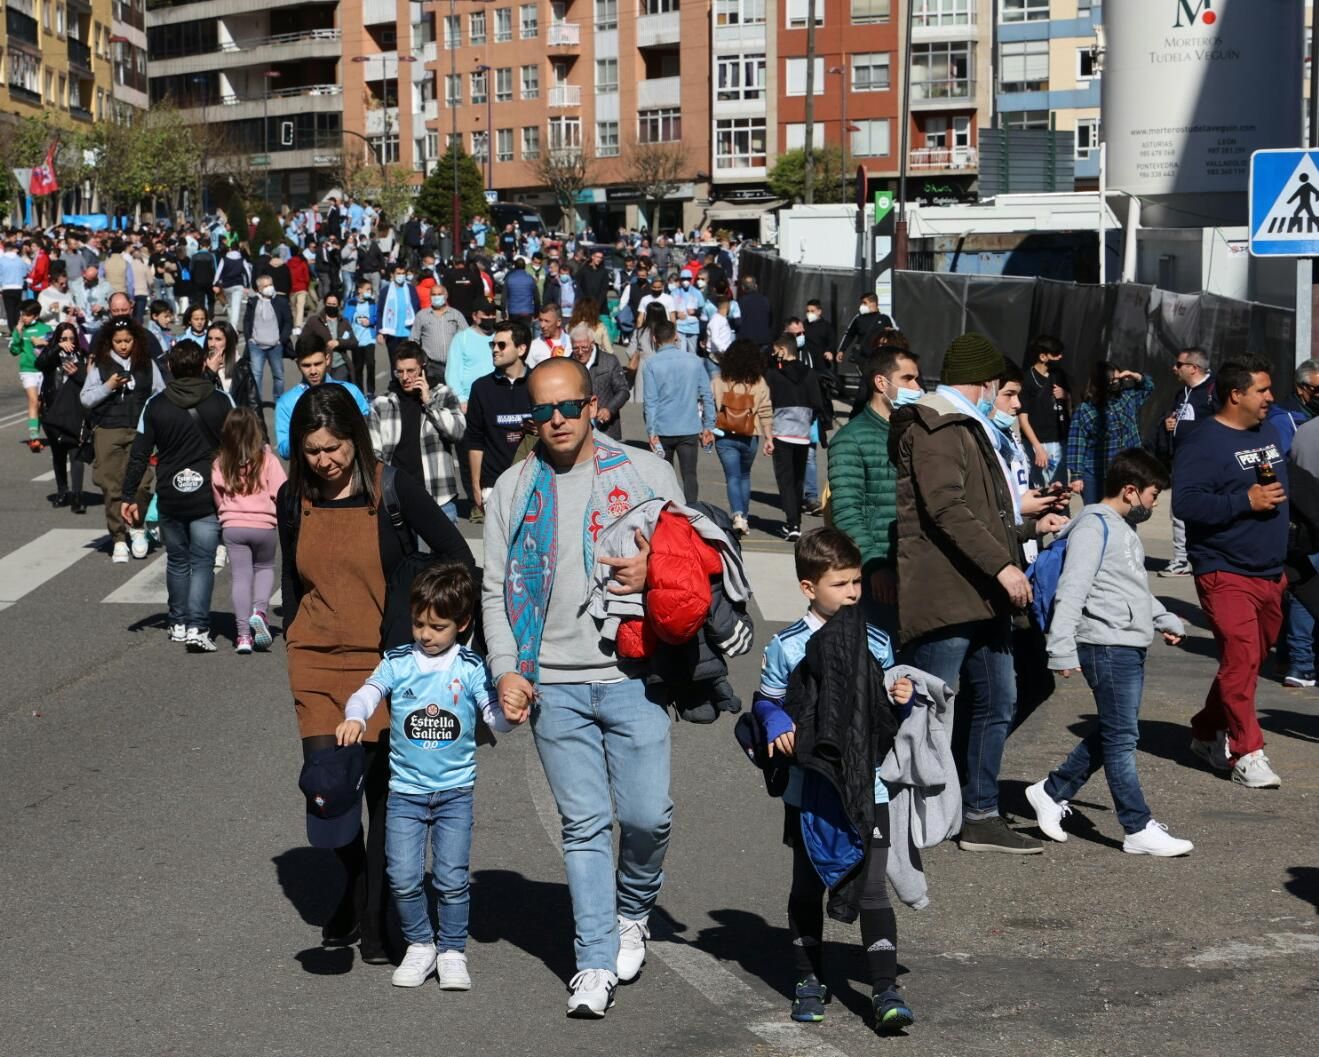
x,y
1284,203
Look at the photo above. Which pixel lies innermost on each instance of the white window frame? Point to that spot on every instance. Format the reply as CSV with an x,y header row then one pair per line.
x,y
480,142
929,14
794,76
453,32
937,54
661,125
530,142
528,21
606,86
476,27
606,15
504,84
479,86
503,25
734,146
867,63
530,85
740,77
739,12
453,89
1011,11
565,132
1081,55
873,129
1091,124
870,12
606,139
795,13
1032,56
503,144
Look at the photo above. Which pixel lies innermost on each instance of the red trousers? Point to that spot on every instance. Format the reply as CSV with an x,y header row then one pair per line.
x,y
1245,613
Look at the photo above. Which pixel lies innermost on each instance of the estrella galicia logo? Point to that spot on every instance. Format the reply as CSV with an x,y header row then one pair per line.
x,y
1201,11
432,727
187,480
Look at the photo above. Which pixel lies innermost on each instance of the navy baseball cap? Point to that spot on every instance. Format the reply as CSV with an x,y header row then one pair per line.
x,y
332,781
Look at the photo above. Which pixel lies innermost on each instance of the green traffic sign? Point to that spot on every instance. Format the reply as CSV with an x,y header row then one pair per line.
x,y
883,204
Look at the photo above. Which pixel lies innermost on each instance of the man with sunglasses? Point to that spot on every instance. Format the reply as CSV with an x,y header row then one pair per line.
x,y
1293,411
601,739
1196,403
497,408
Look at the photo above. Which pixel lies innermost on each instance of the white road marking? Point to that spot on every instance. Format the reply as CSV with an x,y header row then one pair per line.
x,y
1279,944
49,475
795,1039
48,555
774,583
146,587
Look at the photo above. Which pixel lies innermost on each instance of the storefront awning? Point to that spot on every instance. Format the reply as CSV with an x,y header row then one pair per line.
x,y
741,210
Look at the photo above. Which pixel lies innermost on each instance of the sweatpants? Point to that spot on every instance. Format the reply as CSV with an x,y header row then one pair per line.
x,y
112,447
790,475
1245,614
251,570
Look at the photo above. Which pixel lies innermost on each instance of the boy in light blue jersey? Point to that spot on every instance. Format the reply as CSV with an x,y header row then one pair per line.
x,y
829,571
436,687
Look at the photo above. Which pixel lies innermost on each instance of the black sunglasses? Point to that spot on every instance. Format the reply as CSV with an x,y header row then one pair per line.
x,y
567,408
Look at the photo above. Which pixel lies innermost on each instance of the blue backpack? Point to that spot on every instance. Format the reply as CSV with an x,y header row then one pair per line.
x,y
1047,570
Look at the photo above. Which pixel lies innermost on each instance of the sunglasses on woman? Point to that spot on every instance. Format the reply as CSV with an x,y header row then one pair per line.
x,y
542,413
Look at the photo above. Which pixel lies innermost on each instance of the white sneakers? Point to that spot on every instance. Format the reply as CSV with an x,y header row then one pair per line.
x,y
1253,771
1155,839
1213,752
221,557
740,525
199,641
137,542
1049,813
178,633
120,555
417,964
632,937
592,993
451,967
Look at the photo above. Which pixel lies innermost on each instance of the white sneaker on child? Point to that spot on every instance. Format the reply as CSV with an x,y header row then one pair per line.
x,y
592,993
1049,813
416,965
137,542
451,967
632,937
1155,839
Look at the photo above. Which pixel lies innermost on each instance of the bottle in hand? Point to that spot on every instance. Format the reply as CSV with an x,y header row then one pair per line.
x,y
1265,474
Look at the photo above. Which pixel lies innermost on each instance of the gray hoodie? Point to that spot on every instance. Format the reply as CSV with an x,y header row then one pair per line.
x,y
1103,594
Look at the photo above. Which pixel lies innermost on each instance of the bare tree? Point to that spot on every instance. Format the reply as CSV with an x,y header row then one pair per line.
x,y
656,169
566,171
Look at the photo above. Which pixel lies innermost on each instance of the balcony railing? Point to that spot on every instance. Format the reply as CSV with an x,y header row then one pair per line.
x,y
230,99
942,93
565,95
21,27
656,92
79,54
657,30
312,35
930,159
564,35
79,113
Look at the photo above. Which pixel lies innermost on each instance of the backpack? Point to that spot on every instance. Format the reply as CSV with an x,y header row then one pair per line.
x,y
737,413
1047,571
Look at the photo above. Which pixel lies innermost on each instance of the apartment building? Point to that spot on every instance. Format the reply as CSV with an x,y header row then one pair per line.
x,y
292,84
598,76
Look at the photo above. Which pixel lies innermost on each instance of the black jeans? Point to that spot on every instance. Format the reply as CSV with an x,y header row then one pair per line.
x,y
12,299
790,475
364,367
61,454
686,448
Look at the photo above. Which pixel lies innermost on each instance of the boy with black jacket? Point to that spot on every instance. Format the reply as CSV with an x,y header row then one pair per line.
x,y
182,425
794,392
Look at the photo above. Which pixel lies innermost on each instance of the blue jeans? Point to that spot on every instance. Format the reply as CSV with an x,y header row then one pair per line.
x,y
448,816
596,740
711,368
1039,478
190,568
736,454
811,488
1299,632
1116,675
689,341
980,654
260,355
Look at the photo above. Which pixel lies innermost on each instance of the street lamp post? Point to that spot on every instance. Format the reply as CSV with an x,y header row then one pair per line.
x,y
270,76
844,130
489,129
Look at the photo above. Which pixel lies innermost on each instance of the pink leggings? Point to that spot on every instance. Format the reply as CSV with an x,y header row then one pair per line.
x,y
251,570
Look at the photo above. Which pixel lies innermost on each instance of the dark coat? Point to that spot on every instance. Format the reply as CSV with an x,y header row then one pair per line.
x,y
609,383
757,318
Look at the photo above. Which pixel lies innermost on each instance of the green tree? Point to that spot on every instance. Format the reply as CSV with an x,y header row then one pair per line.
x,y
435,199
269,233
787,178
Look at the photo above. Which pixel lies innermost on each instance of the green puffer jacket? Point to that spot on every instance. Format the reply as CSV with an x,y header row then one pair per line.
x,y
863,497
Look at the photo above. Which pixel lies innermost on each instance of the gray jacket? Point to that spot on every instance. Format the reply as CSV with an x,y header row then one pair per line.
x,y
925,799
435,331
1103,594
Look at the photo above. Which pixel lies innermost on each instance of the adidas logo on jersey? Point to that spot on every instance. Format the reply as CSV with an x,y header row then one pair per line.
x,y
408,693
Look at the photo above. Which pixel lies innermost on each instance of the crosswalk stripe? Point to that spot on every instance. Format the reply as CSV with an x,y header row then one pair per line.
x,y
49,475
774,583
48,555
142,588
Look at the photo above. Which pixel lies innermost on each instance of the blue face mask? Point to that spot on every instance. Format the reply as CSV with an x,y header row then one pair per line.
x,y
1003,420
903,397
986,403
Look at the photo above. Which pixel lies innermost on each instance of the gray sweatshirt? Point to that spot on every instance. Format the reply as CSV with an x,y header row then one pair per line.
x,y
1103,602
571,649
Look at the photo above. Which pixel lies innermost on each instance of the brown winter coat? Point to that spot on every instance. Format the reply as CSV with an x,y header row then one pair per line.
x,y
956,527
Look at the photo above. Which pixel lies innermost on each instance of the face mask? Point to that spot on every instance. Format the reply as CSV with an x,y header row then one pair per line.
x,y
986,404
488,325
811,317
903,397
437,302
801,340
267,292
1003,420
331,312
673,288
1138,514
700,283
410,277
399,280
1312,405
864,310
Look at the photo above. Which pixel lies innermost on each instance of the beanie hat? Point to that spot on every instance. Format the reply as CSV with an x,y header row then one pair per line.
x,y
970,360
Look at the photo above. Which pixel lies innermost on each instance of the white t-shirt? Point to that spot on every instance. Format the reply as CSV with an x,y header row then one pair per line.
x,y
719,334
542,350
663,299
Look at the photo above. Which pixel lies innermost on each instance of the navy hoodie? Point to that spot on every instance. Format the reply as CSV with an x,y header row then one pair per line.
x,y
1211,478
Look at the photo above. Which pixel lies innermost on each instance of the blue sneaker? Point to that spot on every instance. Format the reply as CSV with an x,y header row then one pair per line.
x,y
891,1011
261,637
808,1001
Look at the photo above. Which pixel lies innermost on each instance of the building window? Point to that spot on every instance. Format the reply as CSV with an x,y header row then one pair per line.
x,y
606,14
740,12
64,91
452,141
479,87
1085,64
867,11
796,76
385,148
606,139
871,139
503,24
531,82
739,143
659,126
797,13
432,144
530,143
478,146
943,70
1024,11
940,134
741,77
50,84
59,19
565,133
606,75
658,7
47,23
453,34
1024,119
453,89
529,21
943,13
1087,137
1023,66
870,71
476,27
504,84
503,144
427,88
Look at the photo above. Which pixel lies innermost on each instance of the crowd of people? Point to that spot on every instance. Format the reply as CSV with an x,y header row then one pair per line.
x,y
610,595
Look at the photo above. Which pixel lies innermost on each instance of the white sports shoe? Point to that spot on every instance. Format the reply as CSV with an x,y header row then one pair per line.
x,y
1253,771
1049,813
740,524
199,641
592,993
451,967
221,557
1213,752
120,555
178,633
416,965
138,542
632,937
1155,839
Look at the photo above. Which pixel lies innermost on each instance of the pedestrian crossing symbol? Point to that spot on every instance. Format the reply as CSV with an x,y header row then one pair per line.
x,y
1284,203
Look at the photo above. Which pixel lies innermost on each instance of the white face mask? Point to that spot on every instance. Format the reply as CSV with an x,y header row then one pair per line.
x,y
267,292
399,280
865,310
811,317
438,301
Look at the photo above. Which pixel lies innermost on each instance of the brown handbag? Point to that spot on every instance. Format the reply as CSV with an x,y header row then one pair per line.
x,y
737,413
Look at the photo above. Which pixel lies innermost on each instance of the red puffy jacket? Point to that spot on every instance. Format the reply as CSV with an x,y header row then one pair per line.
x,y
677,588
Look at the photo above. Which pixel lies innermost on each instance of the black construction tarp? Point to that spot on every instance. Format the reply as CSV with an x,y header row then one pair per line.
x,y
789,286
